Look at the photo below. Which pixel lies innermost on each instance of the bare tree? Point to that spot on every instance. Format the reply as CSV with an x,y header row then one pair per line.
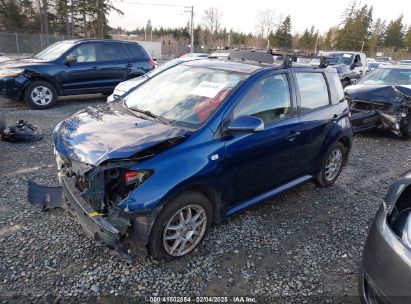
x,y
267,20
212,19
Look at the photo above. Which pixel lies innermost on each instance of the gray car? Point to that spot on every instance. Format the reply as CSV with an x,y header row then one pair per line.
x,y
385,275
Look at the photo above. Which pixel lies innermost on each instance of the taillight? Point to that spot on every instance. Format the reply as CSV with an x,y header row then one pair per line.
x,y
152,62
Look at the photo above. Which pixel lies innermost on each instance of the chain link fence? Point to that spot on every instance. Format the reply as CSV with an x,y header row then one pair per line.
x,y
18,43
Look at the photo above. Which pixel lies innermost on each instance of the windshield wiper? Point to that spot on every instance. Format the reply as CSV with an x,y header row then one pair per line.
x,y
152,115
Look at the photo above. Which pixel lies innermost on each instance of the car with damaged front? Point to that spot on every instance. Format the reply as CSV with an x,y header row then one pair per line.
x,y
385,272
382,99
199,142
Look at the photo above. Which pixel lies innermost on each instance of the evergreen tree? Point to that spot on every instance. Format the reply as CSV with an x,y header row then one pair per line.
x,y
394,34
282,37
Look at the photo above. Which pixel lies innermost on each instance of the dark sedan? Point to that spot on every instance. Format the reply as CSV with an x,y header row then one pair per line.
x,y
385,275
72,67
382,99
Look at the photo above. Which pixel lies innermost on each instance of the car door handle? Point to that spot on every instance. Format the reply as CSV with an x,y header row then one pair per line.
x,y
293,135
129,65
94,68
336,117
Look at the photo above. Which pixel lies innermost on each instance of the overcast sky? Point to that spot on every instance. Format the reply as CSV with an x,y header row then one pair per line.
x,y
241,15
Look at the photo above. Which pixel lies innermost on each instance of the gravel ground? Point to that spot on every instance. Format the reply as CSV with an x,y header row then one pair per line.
x,y
302,246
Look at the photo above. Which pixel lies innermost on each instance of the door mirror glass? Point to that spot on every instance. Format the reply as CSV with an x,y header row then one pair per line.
x,y
245,124
71,59
357,64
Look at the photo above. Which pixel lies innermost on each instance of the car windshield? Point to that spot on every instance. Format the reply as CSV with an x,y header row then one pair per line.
x,y
184,95
54,51
388,77
339,58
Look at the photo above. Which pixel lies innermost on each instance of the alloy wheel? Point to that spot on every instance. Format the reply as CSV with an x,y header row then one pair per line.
x,y
184,230
333,164
41,95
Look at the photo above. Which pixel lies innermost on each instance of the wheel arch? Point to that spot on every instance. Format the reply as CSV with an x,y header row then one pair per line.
x,y
36,77
208,190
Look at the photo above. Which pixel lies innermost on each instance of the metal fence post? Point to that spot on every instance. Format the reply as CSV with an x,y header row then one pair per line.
x,y
17,44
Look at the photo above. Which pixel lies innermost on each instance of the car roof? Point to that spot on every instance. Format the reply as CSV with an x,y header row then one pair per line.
x,y
247,67
341,52
402,67
75,41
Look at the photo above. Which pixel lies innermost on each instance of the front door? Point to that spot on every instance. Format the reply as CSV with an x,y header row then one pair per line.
x,y
257,162
82,76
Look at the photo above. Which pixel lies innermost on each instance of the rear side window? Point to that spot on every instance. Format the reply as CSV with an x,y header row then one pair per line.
x,y
337,92
137,51
113,51
313,91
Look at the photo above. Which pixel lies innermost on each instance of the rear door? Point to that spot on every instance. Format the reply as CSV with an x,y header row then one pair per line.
x,y
257,162
115,64
317,115
141,61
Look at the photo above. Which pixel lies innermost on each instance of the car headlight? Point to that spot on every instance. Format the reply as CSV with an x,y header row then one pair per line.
x,y
11,72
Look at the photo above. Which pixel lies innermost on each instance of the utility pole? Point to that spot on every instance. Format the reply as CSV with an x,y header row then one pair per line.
x,y
190,9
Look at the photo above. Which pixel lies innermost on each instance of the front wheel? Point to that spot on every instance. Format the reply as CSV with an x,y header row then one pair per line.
x,y
181,226
40,95
331,166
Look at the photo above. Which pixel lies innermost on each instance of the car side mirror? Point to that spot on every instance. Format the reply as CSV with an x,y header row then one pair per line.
x,y
245,124
71,59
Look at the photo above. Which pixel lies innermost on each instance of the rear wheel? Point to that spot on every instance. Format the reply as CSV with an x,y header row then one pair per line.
x,y
40,95
181,226
331,166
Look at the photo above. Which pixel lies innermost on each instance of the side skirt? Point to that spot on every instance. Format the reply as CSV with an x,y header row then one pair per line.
x,y
265,195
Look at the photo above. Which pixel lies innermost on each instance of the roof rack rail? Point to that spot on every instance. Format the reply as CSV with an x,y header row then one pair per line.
x,y
261,57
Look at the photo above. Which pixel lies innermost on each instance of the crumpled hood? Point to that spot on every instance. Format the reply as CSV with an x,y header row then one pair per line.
x,y
95,134
21,63
379,93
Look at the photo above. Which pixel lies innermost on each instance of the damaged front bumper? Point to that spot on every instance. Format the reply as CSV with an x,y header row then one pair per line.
x,y
126,233
366,115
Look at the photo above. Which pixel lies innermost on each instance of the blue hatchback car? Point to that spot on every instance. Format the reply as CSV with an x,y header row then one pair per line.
x,y
196,143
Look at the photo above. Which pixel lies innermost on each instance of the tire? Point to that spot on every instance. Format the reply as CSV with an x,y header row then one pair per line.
x,y
168,220
40,95
330,170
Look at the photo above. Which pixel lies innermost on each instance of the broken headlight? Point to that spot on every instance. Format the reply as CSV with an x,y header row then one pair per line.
x,y
119,182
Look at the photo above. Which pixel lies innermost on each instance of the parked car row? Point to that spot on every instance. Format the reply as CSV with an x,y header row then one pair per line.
x,y
182,147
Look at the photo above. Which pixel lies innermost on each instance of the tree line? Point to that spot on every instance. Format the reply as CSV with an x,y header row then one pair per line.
x,y
87,18
81,18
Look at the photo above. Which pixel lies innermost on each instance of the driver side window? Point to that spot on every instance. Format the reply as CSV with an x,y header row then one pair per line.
x,y
85,52
269,99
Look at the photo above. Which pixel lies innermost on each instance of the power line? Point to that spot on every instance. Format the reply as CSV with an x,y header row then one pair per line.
x,y
155,4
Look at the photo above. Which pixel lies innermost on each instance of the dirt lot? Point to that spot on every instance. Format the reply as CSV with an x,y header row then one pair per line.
x,y
304,245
